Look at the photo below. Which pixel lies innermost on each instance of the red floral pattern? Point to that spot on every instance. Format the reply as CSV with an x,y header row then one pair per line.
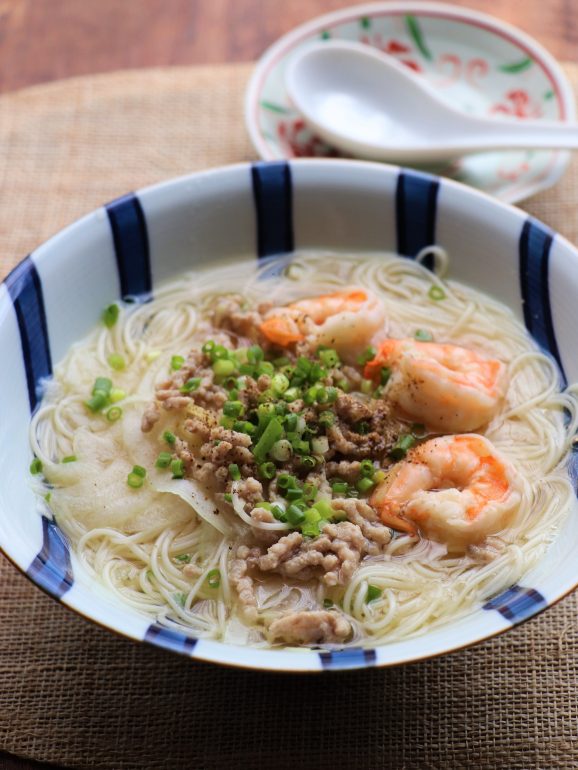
x,y
394,48
300,142
519,104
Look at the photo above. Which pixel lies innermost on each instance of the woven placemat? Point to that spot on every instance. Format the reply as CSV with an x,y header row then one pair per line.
x,y
75,694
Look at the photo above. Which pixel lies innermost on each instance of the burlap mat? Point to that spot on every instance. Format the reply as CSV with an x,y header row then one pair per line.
x,y
73,693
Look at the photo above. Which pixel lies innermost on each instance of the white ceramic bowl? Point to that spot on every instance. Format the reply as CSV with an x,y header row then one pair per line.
x,y
128,247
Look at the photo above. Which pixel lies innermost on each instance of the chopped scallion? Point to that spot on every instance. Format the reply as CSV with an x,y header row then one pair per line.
x,y
223,367
339,487
329,358
423,335
401,447
365,485
177,469
190,385
214,578
234,472
368,355
272,433
295,515
117,394
373,593
69,459
177,362
436,293
163,460
116,361
366,468
267,470
169,437
114,413
110,315
35,466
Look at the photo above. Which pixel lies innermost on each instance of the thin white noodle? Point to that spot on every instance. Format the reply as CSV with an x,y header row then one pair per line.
x,y
143,562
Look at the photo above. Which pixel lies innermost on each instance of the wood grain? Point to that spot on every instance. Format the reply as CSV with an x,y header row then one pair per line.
x,y
42,40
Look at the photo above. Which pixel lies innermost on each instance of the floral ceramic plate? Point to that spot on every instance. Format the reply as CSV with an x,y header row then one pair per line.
x,y
475,62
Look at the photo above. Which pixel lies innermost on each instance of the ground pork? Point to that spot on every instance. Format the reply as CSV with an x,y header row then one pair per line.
x,y
310,627
229,314
251,491
348,470
151,416
242,582
359,512
227,446
352,409
336,552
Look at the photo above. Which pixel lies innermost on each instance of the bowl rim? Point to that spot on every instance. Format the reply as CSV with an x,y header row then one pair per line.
x,y
476,18
238,652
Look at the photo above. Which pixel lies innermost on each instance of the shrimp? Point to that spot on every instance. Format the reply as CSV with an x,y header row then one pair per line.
x,y
453,489
345,320
447,387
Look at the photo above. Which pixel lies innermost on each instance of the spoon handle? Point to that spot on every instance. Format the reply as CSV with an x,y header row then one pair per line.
x,y
501,134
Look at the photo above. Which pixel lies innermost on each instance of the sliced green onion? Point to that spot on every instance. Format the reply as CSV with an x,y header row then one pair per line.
x,y
281,450
117,394
234,472
208,346
324,507
366,468
332,394
401,447
169,437
373,593
219,352
384,375
266,367
183,558
110,315
310,395
139,470
326,419
116,361
69,459
368,355
317,372
48,497
327,603
295,515
365,485
272,433
281,362
308,462
223,367
278,513
292,394
344,385
286,481
134,480
177,469
164,460
190,385
114,413
268,470
301,447
339,487
436,293
102,385
214,578
97,402
379,476
255,354
309,491
366,386
233,408
35,466
244,426
329,358
279,384
423,335
320,445
294,493
228,497
177,362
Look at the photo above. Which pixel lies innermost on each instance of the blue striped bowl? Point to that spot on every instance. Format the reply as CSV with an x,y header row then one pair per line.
x,y
128,247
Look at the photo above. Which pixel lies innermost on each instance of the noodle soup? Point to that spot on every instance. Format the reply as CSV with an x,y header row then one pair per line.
x,y
350,453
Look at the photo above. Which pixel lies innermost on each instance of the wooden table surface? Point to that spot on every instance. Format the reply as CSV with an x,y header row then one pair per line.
x,y
44,40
